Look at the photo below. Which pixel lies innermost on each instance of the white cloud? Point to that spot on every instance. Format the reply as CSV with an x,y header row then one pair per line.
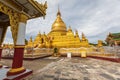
x,y
8,37
93,17
102,18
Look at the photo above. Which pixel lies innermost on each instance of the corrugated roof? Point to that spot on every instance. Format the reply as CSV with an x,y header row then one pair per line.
x,y
29,7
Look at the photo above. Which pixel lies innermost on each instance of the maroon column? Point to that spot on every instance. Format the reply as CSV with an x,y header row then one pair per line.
x,y
17,61
0,56
0,53
18,58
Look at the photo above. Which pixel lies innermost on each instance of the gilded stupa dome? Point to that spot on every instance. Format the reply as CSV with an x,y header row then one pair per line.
x,y
58,24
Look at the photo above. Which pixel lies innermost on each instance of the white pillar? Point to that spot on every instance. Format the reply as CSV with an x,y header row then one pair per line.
x,y
21,34
17,65
68,55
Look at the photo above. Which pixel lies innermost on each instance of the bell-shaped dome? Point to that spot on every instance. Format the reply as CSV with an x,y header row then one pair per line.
x,y
59,25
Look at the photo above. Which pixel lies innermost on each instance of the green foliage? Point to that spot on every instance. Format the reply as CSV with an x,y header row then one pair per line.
x,y
93,44
105,44
116,36
26,41
55,50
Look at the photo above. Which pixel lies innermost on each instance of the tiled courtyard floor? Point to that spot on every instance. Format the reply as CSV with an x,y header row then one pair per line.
x,y
79,69
72,69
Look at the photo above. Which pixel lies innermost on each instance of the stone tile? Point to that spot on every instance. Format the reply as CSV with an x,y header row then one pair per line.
x,y
117,73
118,78
107,76
73,69
86,78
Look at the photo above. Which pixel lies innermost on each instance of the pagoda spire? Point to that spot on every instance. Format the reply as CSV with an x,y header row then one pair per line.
x,y
69,29
44,32
76,33
83,36
58,13
39,34
31,39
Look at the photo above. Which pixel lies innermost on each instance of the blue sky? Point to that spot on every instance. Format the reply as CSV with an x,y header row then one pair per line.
x,y
95,18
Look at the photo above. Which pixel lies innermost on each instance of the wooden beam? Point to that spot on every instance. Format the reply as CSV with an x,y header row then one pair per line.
x,y
5,23
12,5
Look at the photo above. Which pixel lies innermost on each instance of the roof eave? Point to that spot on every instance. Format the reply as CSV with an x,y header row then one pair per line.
x,y
41,8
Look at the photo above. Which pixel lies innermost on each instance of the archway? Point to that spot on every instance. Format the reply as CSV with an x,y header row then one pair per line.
x,y
4,23
7,45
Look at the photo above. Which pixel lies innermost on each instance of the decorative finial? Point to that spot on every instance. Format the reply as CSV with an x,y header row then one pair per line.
x,y
69,26
109,33
58,13
69,29
83,35
31,39
45,4
76,31
39,32
44,32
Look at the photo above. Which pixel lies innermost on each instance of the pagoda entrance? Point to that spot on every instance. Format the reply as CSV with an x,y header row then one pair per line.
x,y
17,23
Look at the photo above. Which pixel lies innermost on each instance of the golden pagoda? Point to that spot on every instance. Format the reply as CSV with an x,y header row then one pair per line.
x,y
100,43
60,37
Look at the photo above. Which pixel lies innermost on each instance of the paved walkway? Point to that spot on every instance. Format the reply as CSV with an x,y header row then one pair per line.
x,y
79,69
76,68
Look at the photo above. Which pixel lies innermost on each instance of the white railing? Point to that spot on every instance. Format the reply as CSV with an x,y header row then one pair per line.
x,y
38,51
7,52
113,50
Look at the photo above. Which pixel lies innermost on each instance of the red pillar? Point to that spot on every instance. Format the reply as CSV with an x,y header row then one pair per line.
x,y
0,56
0,53
17,61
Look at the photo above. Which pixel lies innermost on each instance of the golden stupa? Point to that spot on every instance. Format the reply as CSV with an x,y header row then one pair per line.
x,y
59,36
